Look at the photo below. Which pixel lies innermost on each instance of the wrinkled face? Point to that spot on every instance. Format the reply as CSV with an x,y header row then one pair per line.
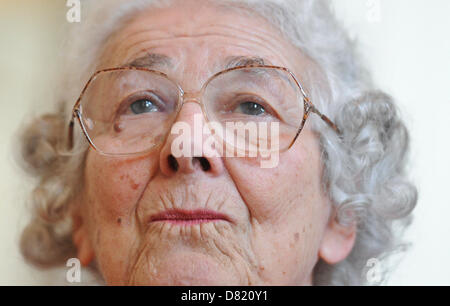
x,y
269,226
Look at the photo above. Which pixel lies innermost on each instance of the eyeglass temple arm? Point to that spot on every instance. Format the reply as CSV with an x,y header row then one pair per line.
x,y
325,118
70,133
72,124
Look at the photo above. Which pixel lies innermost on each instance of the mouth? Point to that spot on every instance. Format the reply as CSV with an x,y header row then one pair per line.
x,y
188,217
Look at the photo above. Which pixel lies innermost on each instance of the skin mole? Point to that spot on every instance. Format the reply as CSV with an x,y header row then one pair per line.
x,y
134,185
117,127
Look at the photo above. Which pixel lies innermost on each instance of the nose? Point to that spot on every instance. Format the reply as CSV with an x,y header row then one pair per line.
x,y
183,151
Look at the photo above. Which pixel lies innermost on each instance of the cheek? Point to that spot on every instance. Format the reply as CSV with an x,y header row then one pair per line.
x,y
114,185
113,189
291,187
288,210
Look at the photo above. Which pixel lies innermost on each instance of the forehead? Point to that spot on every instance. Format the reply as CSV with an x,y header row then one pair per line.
x,y
197,38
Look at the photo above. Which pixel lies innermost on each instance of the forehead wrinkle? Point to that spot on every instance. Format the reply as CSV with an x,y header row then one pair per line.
x,y
156,37
245,54
188,28
266,39
257,47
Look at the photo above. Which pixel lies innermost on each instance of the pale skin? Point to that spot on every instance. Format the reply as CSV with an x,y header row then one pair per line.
x,y
280,220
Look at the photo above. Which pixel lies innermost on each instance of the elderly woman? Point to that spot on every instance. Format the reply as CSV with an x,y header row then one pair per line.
x,y
121,189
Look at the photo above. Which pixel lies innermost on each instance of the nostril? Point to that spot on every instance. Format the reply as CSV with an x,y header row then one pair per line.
x,y
204,163
173,163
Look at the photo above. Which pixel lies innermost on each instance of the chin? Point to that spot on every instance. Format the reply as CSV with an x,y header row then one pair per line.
x,y
186,268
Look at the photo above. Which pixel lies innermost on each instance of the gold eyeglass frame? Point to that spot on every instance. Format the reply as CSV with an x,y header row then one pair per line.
x,y
77,112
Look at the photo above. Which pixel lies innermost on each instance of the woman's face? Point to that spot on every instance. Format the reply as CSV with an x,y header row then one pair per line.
x,y
278,220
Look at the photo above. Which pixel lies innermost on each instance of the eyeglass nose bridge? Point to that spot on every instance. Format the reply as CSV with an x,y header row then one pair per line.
x,y
191,97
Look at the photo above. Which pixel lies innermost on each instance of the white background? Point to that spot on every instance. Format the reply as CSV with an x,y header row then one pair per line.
x,y
406,43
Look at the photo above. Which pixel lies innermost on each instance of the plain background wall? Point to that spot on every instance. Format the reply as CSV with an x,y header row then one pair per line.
x,y
406,43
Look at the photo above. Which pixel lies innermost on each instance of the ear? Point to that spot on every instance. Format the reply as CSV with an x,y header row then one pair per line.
x,y
80,238
337,242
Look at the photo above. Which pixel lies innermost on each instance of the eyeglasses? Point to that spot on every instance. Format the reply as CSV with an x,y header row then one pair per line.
x,y
131,110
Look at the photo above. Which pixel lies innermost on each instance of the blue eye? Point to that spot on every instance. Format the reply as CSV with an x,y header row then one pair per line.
x,y
143,106
251,108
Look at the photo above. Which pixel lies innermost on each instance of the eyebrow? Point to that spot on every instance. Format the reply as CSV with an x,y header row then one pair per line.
x,y
236,61
150,60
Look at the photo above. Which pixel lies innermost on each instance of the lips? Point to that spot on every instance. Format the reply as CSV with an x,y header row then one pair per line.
x,y
188,217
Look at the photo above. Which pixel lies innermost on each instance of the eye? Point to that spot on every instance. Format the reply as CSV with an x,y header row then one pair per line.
x,y
251,108
149,103
143,106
